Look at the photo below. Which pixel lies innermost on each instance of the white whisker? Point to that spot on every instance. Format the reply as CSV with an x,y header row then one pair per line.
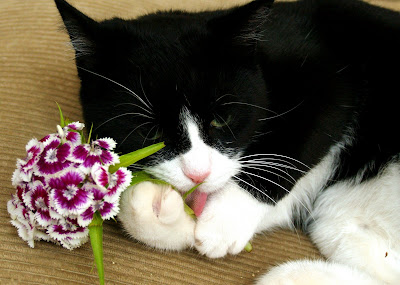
x,y
269,171
281,165
130,91
136,105
227,126
254,187
277,155
277,184
133,131
284,113
266,179
219,98
125,114
148,135
251,105
268,159
141,85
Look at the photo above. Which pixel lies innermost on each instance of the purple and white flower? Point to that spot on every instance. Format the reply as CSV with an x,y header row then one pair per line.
x,y
61,183
99,152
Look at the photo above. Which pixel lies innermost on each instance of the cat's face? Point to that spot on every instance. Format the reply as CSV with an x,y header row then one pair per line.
x,y
172,78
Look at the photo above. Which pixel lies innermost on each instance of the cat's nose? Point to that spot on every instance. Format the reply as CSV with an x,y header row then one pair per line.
x,y
197,177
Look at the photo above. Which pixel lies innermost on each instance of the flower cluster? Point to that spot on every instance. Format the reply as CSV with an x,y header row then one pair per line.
x,y
61,183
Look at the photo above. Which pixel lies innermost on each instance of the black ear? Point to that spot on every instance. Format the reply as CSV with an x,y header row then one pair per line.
x,y
242,26
81,29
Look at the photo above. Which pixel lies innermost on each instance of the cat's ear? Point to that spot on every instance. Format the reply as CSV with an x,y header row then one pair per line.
x,y
242,26
81,28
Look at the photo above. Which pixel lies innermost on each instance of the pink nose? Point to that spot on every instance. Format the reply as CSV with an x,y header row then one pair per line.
x,y
197,177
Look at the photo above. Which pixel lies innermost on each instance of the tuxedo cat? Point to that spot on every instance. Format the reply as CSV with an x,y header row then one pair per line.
x,y
286,114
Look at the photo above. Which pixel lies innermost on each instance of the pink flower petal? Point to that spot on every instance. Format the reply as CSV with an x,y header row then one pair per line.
x,y
106,143
79,153
75,126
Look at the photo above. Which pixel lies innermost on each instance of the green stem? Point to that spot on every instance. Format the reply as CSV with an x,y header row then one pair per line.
x,y
96,239
130,158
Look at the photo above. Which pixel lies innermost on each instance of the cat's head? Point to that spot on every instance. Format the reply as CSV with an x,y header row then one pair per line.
x,y
190,80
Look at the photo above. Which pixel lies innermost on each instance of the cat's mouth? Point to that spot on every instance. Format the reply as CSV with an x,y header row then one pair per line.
x,y
197,201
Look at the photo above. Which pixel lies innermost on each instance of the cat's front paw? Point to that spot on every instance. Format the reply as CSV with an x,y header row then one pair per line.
x,y
228,222
154,214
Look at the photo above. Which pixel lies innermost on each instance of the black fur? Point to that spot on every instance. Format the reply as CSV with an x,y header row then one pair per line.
x,y
321,72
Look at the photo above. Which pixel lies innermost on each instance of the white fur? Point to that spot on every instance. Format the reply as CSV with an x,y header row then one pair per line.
x,y
355,225
316,272
154,215
220,166
359,224
229,221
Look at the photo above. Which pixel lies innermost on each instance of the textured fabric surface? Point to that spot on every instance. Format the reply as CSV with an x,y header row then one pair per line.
x,y
36,70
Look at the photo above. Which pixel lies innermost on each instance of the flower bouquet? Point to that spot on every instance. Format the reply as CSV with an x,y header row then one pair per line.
x,y
67,186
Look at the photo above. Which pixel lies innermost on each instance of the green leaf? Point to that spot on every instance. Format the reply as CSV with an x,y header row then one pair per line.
x,y
90,133
190,191
130,158
96,239
141,176
248,247
189,211
62,121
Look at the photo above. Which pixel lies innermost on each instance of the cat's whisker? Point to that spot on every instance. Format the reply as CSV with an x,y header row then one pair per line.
x,y
267,155
272,172
144,141
141,85
282,114
278,165
260,134
131,132
266,179
136,105
254,187
119,84
262,167
222,96
277,184
125,114
227,126
249,104
269,159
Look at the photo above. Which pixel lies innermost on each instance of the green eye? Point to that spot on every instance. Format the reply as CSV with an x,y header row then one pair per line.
x,y
221,122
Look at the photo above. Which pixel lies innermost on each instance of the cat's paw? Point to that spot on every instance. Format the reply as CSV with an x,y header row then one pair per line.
x,y
228,222
154,214
305,272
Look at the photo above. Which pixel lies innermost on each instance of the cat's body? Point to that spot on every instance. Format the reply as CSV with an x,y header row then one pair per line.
x,y
287,116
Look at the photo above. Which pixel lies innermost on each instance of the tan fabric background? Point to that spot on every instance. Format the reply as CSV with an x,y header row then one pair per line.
x,y
37,69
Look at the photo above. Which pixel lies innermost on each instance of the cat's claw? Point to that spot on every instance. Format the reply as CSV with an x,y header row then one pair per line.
x,y
228,222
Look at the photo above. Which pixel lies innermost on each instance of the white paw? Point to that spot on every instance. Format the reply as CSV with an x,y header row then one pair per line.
x,y
307,272
228,222
154,214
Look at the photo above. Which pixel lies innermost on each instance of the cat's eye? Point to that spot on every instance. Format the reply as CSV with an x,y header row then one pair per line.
x,y
151,135
220,122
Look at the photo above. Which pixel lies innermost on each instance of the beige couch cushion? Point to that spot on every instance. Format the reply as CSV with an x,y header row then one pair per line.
x,y
36,70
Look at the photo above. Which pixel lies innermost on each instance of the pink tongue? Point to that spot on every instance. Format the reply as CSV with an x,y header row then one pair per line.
x,y
198,201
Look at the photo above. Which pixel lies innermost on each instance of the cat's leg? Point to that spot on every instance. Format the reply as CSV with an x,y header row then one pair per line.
x,y
154,214
307,272
359,225
230,219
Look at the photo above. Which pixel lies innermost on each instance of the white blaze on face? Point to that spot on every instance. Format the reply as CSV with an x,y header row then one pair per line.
x,y
201,163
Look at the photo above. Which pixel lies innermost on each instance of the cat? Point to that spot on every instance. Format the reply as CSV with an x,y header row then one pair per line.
x,y
284,113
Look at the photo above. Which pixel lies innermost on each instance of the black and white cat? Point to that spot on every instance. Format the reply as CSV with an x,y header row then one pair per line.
x,y
286,113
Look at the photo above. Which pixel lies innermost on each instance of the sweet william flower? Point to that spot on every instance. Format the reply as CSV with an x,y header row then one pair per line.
x,y
56,193
66,187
